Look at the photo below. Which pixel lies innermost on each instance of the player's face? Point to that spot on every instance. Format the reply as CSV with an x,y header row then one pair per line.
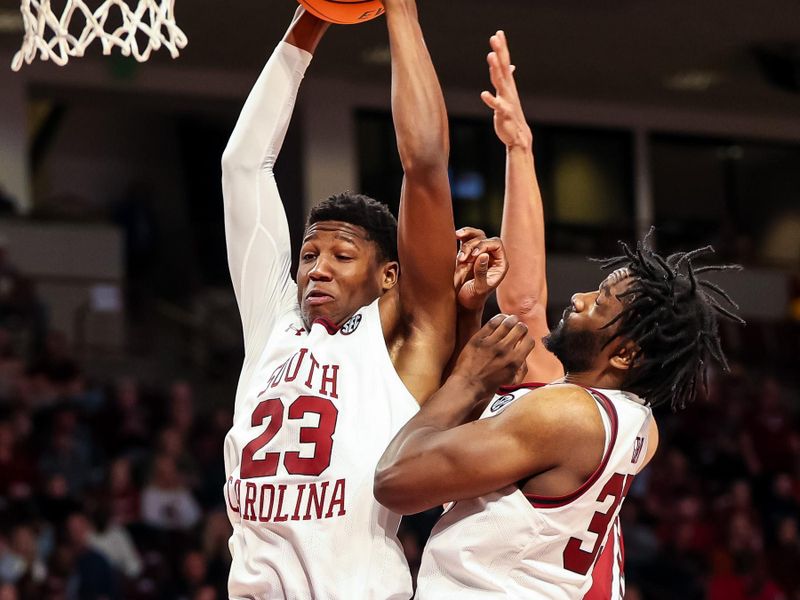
x,y
579,338
339,272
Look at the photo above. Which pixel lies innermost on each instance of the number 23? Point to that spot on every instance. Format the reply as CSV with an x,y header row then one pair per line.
x,y
321,436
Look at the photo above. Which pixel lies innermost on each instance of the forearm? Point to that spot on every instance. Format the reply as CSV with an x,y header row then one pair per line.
x,y
261,128
399,477
418,108
468,322
525,287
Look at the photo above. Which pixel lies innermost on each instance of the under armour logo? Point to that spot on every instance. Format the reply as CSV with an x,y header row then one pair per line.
x,y
298,331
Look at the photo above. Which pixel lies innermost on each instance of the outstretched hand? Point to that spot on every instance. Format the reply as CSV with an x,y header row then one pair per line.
x,y
509,119
480,267
495,355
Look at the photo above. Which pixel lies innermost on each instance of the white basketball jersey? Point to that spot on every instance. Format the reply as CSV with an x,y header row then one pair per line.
x,y
313,416
511,545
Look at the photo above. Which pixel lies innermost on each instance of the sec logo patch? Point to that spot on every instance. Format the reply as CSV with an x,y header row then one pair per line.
x,y
501,402
351,325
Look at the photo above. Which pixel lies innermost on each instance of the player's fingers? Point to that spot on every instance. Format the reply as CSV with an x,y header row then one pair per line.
x,y
491,245
516,337
522,373
467,250
495,76
481,271
498,74
489,100
491,327
500,336
467,233
503,53
525,345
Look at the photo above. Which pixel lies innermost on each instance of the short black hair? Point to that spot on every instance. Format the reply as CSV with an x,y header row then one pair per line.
x,y
363,211
671,315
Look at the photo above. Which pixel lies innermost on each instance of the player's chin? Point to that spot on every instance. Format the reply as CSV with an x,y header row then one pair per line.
x,y
313,312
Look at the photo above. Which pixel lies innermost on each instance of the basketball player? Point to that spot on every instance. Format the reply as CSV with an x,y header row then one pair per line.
x,y
537,483
337,362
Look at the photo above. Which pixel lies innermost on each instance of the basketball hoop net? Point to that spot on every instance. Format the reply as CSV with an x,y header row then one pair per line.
x,y
49,34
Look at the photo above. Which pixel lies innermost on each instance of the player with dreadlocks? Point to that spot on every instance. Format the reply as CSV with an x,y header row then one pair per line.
x,y
537,483
670,315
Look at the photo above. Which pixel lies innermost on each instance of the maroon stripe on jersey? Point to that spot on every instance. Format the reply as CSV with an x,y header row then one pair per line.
x,y
603,572
331,327
508,389
558,501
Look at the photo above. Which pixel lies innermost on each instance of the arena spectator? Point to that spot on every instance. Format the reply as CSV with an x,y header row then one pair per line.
x,y
167,503
92,576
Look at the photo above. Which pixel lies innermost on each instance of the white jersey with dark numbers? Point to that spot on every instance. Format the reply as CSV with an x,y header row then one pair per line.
x,y
511,545
315,408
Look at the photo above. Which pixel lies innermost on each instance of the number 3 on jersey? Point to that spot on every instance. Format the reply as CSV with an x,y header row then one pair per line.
x,y
321,436
580,561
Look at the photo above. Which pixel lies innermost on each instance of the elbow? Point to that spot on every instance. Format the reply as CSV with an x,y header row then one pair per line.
x,y
526,306
424,156
423,168
391,490
238,160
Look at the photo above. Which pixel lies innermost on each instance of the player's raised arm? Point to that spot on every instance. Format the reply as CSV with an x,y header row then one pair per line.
x,y
524,290
426,238
256,231
439,456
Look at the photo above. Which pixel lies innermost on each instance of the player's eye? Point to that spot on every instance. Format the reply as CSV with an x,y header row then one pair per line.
x,y
307,256
344,257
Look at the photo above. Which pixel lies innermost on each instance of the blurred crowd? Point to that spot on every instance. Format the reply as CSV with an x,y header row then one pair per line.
x,y
112,489
108,489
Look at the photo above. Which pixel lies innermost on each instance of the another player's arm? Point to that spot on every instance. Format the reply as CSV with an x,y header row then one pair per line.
x,y
256,231
481,266
426,238
437,458
524,290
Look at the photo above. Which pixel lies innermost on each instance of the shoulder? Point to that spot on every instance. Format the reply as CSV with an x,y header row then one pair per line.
x,y
563,411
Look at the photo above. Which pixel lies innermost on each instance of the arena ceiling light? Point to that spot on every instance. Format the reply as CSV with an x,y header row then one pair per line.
x,y
692,80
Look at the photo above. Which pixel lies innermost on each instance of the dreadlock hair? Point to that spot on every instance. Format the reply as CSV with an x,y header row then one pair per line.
x,y
363,211
671,315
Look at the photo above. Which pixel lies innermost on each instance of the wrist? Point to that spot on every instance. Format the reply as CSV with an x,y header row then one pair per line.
x,y
523,141
467,386
473,305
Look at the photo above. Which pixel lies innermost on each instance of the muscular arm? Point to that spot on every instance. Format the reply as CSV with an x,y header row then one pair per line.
x,y
524,290
256,231
426,238
437,459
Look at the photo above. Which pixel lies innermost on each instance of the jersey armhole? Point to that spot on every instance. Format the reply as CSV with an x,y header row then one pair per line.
x,y
611,426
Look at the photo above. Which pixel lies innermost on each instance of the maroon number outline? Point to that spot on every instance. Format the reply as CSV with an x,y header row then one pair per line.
x,y
580,561
321,436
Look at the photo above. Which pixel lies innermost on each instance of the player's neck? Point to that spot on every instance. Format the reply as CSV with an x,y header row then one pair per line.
x,y
594,379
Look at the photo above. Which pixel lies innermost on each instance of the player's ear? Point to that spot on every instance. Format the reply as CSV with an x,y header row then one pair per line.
x,y
624,356
390,272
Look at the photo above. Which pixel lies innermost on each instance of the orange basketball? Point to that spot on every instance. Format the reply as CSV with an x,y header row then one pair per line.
x,y
344,12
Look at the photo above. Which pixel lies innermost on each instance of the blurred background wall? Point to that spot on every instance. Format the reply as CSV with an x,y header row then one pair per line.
x,y
120,307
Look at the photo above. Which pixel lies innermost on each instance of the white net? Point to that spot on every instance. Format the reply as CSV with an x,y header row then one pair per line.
x,y
58,37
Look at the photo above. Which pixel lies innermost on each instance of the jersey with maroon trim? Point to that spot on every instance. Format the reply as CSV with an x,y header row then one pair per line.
x,y
309,429
314,409
511,545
